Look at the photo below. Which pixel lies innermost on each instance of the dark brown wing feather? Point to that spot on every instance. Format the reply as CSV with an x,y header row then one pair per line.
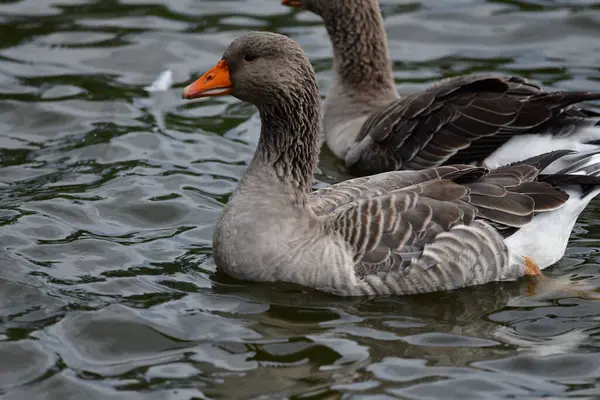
x,y
393,216
462,120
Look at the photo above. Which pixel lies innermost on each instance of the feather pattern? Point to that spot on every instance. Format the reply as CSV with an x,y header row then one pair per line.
x,y
462,120
440,228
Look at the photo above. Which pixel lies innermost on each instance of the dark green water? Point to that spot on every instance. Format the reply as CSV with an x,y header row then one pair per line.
x,y
108,196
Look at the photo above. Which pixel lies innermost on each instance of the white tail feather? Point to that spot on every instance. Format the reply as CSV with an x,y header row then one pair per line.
x,y
546,237
522,147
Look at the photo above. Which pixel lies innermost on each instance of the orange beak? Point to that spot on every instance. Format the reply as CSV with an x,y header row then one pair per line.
x,y
214,82
292,3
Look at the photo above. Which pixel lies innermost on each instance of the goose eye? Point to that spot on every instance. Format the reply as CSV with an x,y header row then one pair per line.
x,y
249,57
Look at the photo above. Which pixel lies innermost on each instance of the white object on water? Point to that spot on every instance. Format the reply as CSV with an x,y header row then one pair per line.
x,y
162,83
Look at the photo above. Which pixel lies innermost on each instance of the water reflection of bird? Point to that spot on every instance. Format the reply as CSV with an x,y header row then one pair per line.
x,y
454,328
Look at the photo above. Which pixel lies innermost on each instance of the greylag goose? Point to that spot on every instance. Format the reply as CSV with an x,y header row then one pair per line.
x,y
399,232
487,120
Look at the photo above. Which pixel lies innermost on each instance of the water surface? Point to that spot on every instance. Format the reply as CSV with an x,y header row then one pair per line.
x,y
109,194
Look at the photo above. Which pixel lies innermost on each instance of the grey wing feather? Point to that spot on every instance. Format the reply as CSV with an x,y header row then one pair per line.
x,y
327,199
448,221
461,120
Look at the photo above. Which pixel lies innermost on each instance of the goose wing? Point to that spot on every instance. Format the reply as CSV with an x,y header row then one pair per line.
x,y
439,228
461,120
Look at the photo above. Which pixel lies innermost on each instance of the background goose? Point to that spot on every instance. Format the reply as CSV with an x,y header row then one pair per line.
x,y
481,119
393,233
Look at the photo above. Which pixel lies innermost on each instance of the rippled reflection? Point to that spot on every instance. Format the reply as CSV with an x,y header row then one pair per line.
x,y
109,194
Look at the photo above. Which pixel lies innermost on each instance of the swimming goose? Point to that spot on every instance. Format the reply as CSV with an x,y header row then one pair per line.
x,y
399,232
488,120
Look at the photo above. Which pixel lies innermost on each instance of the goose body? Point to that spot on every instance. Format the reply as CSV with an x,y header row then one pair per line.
x,y
400,232
487,120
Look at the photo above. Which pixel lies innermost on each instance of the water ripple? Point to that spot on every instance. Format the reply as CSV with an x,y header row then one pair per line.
x,y
109,195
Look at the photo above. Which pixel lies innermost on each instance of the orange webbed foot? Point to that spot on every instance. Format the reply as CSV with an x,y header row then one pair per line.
x,y
531,268
552,285
533,271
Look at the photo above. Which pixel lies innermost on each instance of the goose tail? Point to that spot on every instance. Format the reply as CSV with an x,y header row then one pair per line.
x,y
545,238
579,134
